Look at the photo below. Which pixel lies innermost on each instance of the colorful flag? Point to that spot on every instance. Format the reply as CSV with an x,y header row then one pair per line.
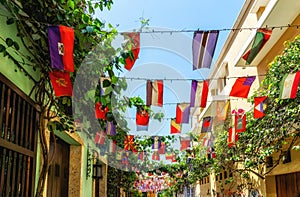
x,y
133,46
261,38
119,154
142,119
199,92
222,110
125,158
207,124
210,153
61,83
232,137
141,155
112,146
61,45
100,111
182,112
100,137
204,44
242,87
110,128
185,142
155,92
260,106
156,142
169,156
155,156
129,143
175,127
162,149
240,123
206,142
289,85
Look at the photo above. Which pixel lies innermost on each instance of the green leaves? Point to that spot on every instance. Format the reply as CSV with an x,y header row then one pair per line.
x,y
2,48
9,42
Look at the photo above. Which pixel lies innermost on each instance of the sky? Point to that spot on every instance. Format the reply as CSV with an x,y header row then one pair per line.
x,y
168,55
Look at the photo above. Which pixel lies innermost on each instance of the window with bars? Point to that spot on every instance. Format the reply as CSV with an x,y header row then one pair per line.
x,y
18,134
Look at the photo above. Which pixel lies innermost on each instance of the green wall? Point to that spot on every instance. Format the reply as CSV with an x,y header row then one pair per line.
x,y
12,72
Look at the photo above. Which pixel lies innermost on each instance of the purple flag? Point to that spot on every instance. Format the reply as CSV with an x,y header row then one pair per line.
x,y
110,128
157,142
204,44
61,46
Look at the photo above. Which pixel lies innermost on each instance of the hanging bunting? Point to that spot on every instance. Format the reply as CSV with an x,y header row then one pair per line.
x,y
119,154
175,127
182,112
289,85
100,111
204,44
239,120
100,137
210,153
206,142
169,156
261,38
199,92
132,40
142,119
207,124
112,146
162,149
260,105
125,160
61,45
185,142
156,142
222,110
129,144
155,93
242,87
61,83
155,156
232,137
110,128
141,155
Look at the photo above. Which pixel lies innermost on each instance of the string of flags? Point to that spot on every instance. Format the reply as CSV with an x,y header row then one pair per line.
x,y
61,46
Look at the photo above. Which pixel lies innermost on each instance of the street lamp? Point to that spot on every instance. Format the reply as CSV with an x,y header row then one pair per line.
x,y
97,171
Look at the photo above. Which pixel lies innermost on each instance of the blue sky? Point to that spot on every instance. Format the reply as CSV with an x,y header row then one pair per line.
x,y
165,56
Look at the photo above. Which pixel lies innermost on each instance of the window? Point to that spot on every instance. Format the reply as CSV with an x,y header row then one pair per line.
x,y
18,129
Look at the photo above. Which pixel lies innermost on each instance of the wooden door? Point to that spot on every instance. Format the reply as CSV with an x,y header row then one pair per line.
x,y
288,185
58,174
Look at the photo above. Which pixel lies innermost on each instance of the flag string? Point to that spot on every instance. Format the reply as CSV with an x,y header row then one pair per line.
x,y
187,79
177,31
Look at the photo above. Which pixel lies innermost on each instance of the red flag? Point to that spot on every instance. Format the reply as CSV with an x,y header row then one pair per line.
x,y
242,87
155,156
162,148
175,127
61,83
100,137
169,156
185,143
142,119
232,137
182,112
129,143
259,106
133,46
239,120
100,111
